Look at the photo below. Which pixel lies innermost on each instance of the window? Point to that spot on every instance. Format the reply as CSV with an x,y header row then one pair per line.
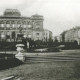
x,y
37,33
8,33
7,24
3,35
24,26
13,25
37,26
2,25
18,24
29,26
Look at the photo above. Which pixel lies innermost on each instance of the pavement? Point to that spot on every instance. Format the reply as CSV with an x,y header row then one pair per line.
x,y
64,55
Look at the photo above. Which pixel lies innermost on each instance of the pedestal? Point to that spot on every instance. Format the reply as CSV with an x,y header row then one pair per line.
x,y
20,56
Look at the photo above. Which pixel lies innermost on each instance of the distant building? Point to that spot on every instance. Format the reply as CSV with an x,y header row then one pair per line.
x,y
13,25
47,35
62,36
56,38
72,35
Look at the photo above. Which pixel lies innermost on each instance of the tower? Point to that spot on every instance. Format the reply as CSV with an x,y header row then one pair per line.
x,y
37,22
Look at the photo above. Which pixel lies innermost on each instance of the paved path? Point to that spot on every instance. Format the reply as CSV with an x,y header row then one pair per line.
x,y
66,55
52,59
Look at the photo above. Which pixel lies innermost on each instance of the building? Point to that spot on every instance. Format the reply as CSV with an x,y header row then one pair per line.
x,y
62,36
47,35
72,35
13,26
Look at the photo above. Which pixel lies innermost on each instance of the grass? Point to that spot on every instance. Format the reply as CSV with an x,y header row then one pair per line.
x,y
45,71
63,70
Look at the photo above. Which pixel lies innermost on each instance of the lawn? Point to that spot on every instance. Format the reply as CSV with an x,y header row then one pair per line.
x,y
56,70
45,71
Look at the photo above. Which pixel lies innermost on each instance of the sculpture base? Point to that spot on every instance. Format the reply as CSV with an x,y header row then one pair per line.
x,y
20,56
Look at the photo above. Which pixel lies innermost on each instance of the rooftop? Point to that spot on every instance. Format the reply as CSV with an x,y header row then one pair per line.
x,y
12,13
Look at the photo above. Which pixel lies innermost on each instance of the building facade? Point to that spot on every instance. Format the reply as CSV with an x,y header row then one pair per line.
x,y
47,35
62,36
72,35
13,25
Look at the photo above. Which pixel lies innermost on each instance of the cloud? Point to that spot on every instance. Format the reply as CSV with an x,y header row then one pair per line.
x,y
4,3
61,15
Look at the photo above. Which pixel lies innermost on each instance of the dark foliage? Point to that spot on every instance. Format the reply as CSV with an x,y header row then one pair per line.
x,y
8,61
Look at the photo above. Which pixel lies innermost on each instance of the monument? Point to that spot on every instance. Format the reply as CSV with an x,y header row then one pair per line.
x,y
20,50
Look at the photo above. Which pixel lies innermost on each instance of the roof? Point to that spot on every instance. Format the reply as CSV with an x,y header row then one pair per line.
x,y
36,16
21,17
12,13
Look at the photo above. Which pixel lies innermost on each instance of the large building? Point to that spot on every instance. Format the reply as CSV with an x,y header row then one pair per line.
x,y
13,25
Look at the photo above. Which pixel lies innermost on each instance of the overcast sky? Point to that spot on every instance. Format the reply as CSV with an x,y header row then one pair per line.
x,y
59,15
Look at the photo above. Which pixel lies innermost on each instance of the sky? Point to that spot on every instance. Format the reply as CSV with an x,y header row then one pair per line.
x,y
59,15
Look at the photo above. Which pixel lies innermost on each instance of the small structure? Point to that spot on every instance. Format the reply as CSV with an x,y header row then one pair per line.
x,y
20,54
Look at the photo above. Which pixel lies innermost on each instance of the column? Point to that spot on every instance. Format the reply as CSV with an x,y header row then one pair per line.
x,y
16,24
10,31
5,24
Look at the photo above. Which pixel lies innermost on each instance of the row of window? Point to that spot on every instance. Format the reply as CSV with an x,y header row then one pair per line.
x,y
13,22
18,25
24,23
14,25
